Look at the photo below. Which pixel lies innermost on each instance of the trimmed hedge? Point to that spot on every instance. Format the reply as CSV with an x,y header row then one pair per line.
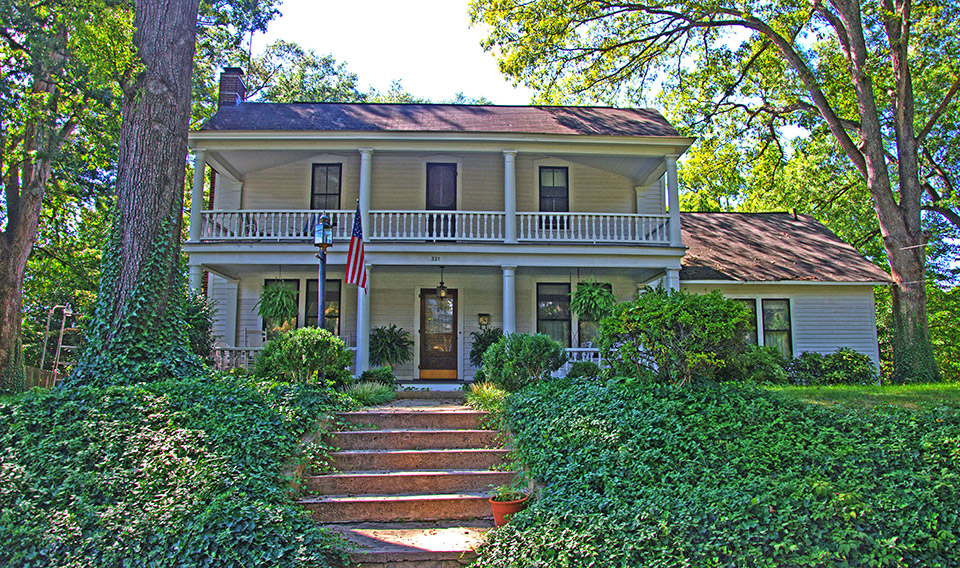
x,y
724,476
173,473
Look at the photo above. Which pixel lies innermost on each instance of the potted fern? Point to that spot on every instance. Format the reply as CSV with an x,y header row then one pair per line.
x,y
390,345
278,307
592,301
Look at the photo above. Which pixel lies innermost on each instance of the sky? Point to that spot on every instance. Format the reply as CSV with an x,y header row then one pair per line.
x,y
426,44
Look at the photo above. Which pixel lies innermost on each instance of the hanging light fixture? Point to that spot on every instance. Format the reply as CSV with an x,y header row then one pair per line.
x,y
441,289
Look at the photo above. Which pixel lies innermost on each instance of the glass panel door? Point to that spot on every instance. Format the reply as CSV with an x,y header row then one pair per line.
x,y
438,335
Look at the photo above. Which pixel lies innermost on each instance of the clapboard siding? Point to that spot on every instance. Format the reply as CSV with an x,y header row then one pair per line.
x,y
825,317
226,195
288,186
651,200
482,182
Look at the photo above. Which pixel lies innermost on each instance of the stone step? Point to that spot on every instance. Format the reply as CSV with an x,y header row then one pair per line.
x,y
410,460
395,508
405,482
450,391
413,439
413,545
415,419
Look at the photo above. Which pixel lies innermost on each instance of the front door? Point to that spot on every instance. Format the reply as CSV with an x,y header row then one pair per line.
x,y
441,196
438,334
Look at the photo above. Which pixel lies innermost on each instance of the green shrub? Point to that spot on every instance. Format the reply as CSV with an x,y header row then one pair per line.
x,y
482,340
487,396
198,314
727,476
757,364
806,369
584,369
177,472
371,393
518,359
380,374
305,355
848,367
673,335
390,345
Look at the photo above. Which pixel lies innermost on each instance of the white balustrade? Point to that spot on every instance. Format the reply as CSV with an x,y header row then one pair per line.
x,y
267,225
476,226
437,225
593,228
226,358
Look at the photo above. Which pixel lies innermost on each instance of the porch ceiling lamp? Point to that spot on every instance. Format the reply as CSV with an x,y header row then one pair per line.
x,y
441,289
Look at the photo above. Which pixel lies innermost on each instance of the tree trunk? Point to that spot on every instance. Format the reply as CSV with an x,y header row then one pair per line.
x,y
137,331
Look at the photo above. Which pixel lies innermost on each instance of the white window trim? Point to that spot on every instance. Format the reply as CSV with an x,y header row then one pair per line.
x,y
324,159
440,159
758,298
555,163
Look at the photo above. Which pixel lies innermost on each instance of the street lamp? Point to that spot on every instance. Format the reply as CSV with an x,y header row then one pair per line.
x,y
322,238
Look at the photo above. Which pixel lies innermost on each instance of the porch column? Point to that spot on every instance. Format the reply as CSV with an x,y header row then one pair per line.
x,y
196,197
230,311
673,200
673,279
510,195
509,299
366,156
363,324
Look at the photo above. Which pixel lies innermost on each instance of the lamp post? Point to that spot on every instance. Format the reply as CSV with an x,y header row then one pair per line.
x,y
322,238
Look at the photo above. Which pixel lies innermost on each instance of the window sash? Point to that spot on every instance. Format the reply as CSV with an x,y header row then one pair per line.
x,y
325,187
332,304
554,189
777,327
553,311
751,336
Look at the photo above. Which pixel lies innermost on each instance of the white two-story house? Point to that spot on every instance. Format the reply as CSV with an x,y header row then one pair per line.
x,y
507,207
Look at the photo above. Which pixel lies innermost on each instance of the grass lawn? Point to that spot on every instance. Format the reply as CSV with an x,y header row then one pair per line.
x,y
906,396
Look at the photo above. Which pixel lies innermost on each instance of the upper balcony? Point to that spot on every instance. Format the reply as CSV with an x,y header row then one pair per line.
x,y
440,226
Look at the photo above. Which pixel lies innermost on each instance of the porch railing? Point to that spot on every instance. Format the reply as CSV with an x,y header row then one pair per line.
x,y
225,358
464,226
437,225
575,354
594,227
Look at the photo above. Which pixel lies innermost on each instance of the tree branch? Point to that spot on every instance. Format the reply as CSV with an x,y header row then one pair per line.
x,y
941,108
950,215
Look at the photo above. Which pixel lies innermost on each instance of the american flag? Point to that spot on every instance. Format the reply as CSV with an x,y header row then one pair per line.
x,y
356,271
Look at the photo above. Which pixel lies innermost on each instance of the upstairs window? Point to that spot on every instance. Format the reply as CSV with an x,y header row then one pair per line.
x,y
554,189
553,311
331,305
325,187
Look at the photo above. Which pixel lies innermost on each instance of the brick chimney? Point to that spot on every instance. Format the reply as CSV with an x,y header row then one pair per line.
x,y
232,89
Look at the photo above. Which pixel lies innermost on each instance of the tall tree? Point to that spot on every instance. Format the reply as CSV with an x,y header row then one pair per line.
x,y
878,75
136,333
56,58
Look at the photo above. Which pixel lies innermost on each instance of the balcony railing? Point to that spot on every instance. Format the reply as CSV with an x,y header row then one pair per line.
x,y
457,226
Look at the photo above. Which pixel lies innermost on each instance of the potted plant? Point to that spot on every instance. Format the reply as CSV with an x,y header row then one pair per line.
x,y
278,307
390,345
509,499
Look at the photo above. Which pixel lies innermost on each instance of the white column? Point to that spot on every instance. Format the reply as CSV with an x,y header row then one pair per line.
x,y
196,197
509,299
195,277
673,279
510,194
366,158
673,201
363,324
230,312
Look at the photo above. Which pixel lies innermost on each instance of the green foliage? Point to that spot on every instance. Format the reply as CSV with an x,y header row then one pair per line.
x,y
170,472
198,314
757,364
592,301
806,368
371,393
488,397
584,369
518,359
149,341
482,340
848,367
724,476
943,306
674,336
390,345
305,355
277,305
380,374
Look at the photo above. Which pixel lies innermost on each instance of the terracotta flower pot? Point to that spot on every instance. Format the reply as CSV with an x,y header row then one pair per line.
x,y
503,510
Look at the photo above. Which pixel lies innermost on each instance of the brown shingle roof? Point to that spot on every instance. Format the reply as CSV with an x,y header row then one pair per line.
x,y
769,247
581,121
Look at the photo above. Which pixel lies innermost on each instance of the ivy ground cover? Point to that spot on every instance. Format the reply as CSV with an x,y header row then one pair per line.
x,y
647,475
178,472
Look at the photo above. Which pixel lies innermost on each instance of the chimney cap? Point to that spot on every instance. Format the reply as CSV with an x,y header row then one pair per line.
x,y
233,70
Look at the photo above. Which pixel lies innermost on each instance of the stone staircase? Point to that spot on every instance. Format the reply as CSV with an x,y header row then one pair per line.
x,y
412,481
